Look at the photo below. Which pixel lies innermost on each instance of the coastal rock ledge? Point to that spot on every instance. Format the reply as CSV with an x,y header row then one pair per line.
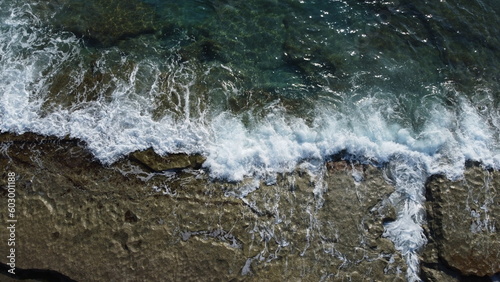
x,y
79,220
464,224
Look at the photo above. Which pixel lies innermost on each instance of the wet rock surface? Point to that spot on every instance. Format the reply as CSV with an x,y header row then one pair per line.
x,y
173,161
143,221
463,226
90,222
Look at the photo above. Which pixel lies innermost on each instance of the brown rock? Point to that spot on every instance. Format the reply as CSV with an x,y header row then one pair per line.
x,y
107,223
463,222
171,161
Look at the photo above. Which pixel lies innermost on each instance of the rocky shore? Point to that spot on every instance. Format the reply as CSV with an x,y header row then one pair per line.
x,y
463,227
153,218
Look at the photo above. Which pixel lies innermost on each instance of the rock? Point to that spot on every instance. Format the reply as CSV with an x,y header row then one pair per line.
x,y
172,161
339,227
203,50
463,222
6,138
308,60
182,225
104,23
90,222
73,85
435,275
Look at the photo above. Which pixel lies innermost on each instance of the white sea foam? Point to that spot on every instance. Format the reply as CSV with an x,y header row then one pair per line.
x,y
122,123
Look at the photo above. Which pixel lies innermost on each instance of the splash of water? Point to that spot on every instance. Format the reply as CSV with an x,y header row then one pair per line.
x,y
124,118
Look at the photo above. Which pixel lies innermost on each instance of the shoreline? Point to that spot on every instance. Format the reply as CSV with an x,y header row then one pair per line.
x,y
76,210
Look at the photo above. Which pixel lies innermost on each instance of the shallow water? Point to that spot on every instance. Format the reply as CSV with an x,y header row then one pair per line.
x,y
259,87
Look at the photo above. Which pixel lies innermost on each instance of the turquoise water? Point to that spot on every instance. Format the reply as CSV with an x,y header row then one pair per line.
x,y
261,87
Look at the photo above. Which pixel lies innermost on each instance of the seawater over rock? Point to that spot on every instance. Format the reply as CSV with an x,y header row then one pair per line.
x,y
138,219
106,22
91,222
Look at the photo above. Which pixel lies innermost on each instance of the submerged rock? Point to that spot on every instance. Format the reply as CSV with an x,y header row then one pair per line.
x,y
105,22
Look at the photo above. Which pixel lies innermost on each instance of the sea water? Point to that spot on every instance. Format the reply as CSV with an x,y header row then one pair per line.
x,y
261,87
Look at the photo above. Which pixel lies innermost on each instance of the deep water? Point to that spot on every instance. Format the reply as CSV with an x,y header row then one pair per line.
x,y
260,87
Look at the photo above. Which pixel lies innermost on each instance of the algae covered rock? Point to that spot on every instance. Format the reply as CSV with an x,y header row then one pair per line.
x,y
168,162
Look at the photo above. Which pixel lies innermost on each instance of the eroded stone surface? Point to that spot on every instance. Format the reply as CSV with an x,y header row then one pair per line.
x,y
172,161
463,222
123,222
